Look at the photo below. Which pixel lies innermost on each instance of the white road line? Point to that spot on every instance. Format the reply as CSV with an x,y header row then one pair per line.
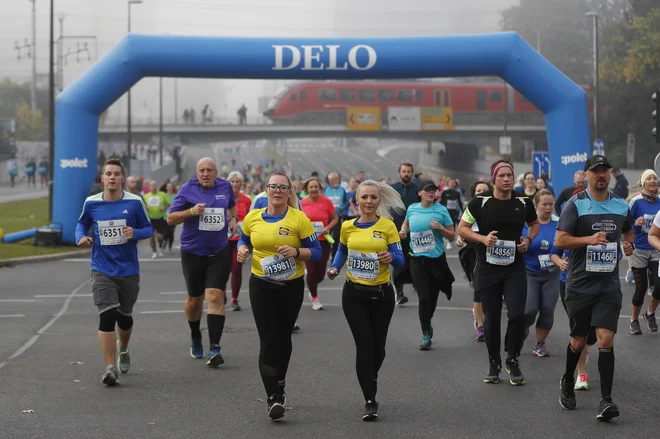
x,y
58,296
19,300
44,328
9,316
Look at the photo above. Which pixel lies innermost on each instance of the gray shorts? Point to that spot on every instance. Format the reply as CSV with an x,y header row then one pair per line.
x,y
641,258
115,292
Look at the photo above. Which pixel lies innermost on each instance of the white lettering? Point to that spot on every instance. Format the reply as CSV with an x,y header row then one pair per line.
x,y
575,158
73,163
311,56
332,59
352,57
279,57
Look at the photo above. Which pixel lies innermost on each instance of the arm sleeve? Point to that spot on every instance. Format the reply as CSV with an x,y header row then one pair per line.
x,y
471,214
531,211
144,228
313,244
398,260
84,223
340,257
568,218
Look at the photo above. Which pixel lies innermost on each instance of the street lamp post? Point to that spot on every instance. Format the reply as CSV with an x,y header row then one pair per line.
x,y
51,111
128,120
594,15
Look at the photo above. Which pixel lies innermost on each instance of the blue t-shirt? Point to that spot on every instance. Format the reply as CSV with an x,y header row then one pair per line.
x,y
640,207
338,198
112,254
537,257
425,241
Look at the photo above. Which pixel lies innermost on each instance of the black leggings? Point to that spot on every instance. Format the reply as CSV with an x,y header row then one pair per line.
x,y
169,237
369,318
642,282
427,287
275,307
514,290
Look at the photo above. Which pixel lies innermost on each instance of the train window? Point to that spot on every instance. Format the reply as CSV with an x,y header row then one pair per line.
x,y
346,95
405,95
482,100
495,96
303,95
419,95
367,95
328,94
385,95
293,97
447,102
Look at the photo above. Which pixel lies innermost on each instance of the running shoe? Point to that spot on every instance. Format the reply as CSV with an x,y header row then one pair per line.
x,y
634,328
481,335
275,407
426,343
540,350
123,359
111,375
370,411
607,410
154,255
282,397
516,377
630,277
493,375
215,357
235,306
567,398
296,327
651,324
582,382
197,349
317,305
401,299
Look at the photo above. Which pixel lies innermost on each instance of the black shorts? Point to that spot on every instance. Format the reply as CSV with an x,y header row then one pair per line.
x,y
204,272
159,225
593,310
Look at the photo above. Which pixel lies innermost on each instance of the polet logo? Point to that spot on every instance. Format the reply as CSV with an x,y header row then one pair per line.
x,y
575,158
73,163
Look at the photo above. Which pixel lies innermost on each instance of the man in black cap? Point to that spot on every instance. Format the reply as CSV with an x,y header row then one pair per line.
x,y
591,225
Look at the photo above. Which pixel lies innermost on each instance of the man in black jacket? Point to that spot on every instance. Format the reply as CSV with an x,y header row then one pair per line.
x,y
621,186
566,194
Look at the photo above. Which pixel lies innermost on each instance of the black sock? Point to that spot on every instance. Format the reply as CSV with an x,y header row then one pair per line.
x,y
216,324
606,371
194,329
572,359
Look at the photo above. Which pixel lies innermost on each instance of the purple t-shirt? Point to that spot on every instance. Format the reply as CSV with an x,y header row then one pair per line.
x,y
206,234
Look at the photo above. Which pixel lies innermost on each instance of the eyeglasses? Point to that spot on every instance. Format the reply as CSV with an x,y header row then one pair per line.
x,y
275,188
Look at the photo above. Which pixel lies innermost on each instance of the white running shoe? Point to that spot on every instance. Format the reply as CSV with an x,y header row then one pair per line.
x,y
154,255
582,382
317,305
160,253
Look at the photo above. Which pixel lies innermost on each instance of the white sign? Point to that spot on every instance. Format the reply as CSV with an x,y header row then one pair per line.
x,y
575,158
73,163
505,145
310,55
404,118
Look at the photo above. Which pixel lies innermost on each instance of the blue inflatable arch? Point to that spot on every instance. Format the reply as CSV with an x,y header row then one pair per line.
x,y
505,55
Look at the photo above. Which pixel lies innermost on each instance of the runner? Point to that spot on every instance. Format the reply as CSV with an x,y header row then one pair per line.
x,y
120,219
500,268
170,195
452,200
282,238
337,195
468,259
644,208
593,290
156,207
370,244
243,203
542,273
428,223
323,215
206,207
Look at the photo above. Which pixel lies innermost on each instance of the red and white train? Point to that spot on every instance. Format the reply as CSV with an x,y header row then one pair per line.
x,y
326,101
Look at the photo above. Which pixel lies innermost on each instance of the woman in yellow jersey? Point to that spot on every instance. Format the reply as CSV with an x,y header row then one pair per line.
x,y
370,244
282,239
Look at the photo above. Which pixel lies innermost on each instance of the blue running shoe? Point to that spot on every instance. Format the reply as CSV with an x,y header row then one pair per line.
x,y
540,350
197,349
426,343
215,357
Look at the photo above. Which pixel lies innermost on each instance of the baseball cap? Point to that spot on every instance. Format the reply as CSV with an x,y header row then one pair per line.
x,y
596,160
425,184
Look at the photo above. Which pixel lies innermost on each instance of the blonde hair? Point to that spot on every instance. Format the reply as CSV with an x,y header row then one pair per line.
x,y
292,200
389,197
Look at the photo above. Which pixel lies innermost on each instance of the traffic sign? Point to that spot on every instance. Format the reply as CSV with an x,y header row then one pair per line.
x,y
437,118
505,145
599,147
541,164
363,118
404,118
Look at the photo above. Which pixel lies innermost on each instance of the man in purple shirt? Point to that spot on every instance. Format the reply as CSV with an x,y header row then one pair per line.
x,y
206,207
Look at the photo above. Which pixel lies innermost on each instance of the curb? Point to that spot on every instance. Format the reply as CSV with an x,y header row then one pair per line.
x,y
42,258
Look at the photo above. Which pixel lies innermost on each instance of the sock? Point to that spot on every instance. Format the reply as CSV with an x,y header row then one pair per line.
x,y
194,329
216,324
281,384
606,371
572,359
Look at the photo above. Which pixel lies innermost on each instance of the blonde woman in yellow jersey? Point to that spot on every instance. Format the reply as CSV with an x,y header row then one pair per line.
x,y
370,244
282,239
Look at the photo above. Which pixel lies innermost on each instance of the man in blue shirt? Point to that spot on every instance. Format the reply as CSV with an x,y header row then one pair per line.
x,y
337,195
119,219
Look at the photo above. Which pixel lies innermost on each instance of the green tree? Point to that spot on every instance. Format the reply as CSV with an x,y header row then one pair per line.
x,y
29,125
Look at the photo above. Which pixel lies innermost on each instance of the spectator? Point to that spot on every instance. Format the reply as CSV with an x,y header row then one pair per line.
x,y
621,186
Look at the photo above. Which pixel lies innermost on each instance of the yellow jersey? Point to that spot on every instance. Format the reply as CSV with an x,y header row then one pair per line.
x,y
265,237
363,245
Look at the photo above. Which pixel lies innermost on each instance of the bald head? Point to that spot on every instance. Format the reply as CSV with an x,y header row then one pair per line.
x,y
207,171
131,184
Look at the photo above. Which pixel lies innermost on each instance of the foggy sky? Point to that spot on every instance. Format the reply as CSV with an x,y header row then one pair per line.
x,y
107,21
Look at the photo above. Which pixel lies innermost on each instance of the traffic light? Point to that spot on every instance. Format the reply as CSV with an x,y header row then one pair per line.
x,y
656,116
